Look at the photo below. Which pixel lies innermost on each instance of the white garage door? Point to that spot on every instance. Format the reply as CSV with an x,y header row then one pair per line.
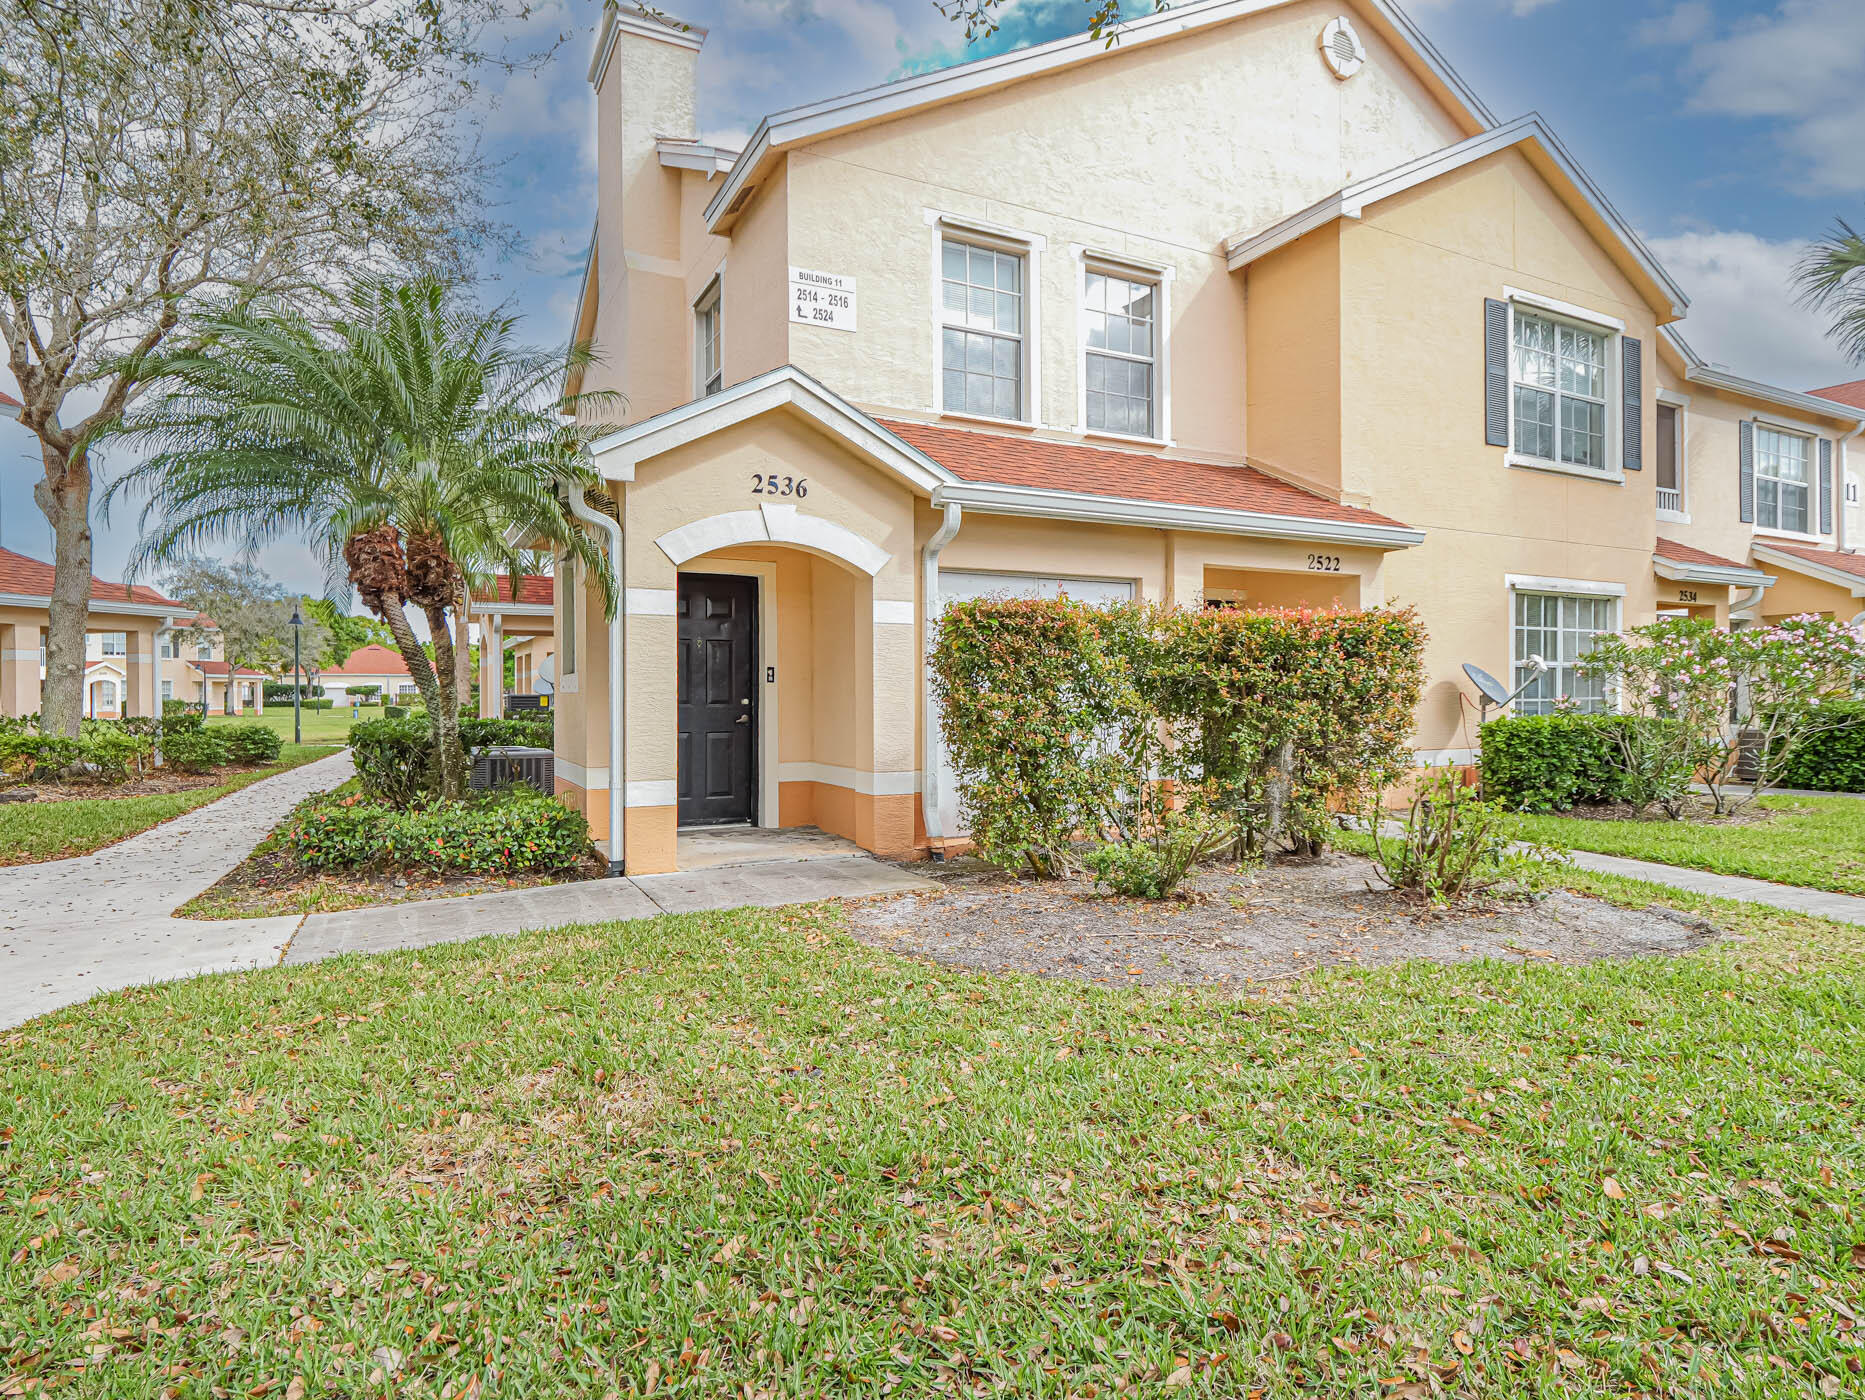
x,y
956,586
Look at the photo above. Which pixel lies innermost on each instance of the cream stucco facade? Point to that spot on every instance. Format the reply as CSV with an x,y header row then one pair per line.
x,y
1317,271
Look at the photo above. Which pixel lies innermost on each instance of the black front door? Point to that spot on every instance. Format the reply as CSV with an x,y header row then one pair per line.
x,y
718,710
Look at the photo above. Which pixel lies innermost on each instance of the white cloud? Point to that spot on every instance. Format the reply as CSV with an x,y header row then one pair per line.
x,y
1520,8
1743,312
1803,65
1683,25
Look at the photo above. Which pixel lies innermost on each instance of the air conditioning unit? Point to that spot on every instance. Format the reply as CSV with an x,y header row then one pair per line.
x,y
501,765
523,704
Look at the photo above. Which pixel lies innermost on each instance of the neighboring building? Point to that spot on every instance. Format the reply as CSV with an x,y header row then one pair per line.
x,y
1339,337
131,631
373,665
522,625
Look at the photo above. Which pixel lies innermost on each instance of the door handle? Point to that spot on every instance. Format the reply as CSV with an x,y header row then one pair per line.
x,y
742,719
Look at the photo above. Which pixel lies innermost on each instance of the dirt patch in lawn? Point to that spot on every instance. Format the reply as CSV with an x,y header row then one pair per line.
x,y
1697,812
157,785
270,881
1255,925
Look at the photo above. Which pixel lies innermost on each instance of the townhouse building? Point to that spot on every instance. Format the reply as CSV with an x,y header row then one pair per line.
x,y
1259,305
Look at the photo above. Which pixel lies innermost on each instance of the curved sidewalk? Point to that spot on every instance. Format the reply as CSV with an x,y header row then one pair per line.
x,y
95,923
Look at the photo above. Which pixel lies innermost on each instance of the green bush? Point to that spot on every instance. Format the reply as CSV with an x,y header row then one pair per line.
x,y
251,743
1454,843
26,754
523,731
1834,759
115,751
394,758
394,712
1549,763
280,692
194,750
178,715
502,832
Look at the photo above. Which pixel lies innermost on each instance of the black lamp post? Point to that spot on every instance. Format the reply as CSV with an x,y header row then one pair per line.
x,y
297,678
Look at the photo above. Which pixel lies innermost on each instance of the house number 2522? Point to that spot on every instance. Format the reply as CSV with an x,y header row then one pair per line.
x,y
1324,563
774,485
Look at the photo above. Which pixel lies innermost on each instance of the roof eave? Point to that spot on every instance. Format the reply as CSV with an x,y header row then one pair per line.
x,y
992,499
1854,583
1712,378
1680,571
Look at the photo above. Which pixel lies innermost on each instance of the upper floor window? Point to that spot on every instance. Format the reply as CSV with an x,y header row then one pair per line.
x,y
982,353
707,329
168,648
1558,380
203,651
1121,316
1670,458
1783,480
115,643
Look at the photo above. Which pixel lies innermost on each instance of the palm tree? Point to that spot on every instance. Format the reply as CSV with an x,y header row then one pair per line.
x,y
1831,278
410,439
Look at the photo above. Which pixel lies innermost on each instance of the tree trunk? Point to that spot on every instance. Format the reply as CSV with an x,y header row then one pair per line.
x,y
463,646
64,494
421,671
447,727
1277,792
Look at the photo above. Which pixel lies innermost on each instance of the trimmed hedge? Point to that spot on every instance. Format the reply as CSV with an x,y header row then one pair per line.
x,y
1832,761
489,833
251,743
1545,763
395,759
194,750
281,691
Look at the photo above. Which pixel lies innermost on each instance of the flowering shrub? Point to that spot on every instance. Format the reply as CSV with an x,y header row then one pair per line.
x,y
1166,734
489,833
1777,680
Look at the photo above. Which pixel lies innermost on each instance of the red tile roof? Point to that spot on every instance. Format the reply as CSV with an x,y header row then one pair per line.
x,y
372,660
1690,554
8,401
532,588
219,668
1827,558
20,573
1002,460
1852,395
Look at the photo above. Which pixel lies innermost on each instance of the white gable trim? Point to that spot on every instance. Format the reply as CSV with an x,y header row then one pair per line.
x,y
772,524
804,123
619,454
1824,573
1351,201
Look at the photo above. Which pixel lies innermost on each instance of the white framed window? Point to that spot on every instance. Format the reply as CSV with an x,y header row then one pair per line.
x,y
1672,499
168,690
1560,373
1122,314
1783,480
203,651
983,319
708,343
1560,628
115,643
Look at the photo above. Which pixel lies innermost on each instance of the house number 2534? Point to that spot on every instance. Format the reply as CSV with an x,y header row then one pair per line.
x,y
774,485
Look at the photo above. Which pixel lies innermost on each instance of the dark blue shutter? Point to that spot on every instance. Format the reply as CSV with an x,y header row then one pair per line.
x,y
1633,365
1495,372
1826,486
1747,488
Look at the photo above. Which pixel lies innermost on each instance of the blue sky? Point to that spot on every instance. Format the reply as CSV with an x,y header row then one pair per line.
x,y
1727,131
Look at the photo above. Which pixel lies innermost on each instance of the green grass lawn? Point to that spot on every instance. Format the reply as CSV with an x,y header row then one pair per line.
x,y
320,726
35,831
741,1154
1814,841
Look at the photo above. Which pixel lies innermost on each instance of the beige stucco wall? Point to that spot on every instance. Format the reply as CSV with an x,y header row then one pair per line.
x,y
1294,384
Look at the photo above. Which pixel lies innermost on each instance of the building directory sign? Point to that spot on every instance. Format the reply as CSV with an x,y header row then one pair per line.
x,y
824,299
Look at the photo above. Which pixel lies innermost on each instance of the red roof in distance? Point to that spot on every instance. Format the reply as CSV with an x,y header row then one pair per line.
x,y
1690,554
372,660
1851,394
532,588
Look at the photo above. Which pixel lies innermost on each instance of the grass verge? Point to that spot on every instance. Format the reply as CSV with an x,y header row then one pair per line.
x,y
320,726
740,1153
1817,842
37,831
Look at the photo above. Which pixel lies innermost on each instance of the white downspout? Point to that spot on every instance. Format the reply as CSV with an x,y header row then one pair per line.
x,y
612,528
929,722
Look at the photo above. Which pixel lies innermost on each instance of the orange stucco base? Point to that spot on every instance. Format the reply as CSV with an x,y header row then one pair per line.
x,y
888,826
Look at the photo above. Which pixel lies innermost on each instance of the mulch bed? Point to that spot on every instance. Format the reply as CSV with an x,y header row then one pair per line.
x,y
272,882
157,785
1698,811
1247,926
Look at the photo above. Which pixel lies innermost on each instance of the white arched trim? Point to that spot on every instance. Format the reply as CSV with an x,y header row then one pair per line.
x,y
773,525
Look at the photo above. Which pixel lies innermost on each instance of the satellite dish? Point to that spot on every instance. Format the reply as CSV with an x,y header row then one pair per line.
x,y
1493,690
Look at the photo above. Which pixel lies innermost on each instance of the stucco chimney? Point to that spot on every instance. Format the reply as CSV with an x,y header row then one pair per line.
x,y
644,72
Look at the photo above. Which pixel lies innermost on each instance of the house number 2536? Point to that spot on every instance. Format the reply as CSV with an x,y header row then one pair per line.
x,y
774,485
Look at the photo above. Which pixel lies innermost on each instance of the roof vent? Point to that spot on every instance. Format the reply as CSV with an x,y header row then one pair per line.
x,y
1341,48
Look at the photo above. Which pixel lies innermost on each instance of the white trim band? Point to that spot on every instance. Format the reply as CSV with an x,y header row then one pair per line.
x,y
891,612
1535,583
868,784
652,602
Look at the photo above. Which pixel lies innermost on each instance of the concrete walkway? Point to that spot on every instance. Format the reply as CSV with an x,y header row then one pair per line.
x,y
1846,908
71,929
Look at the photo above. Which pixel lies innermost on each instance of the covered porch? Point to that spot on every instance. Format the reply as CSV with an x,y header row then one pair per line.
x,y
784,558
519,622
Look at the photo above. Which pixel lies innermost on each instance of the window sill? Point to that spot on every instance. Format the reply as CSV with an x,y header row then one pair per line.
x,y
1025,423
1102,435
1537,464
1762,532
1678,517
